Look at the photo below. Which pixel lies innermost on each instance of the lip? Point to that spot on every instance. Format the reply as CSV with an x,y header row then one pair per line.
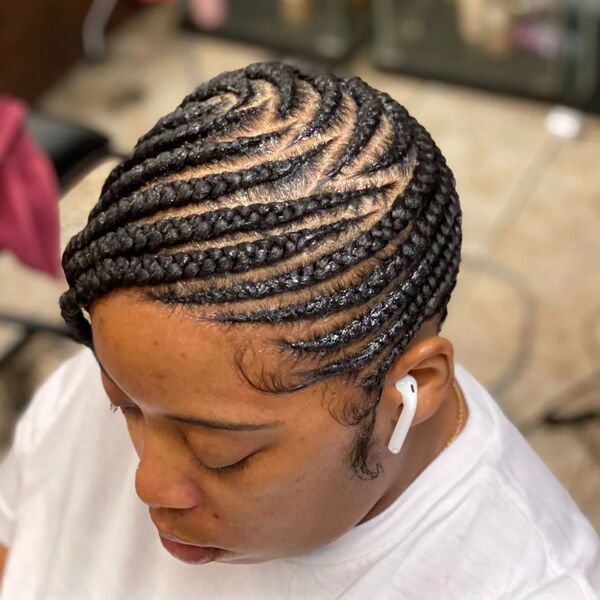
x,y
190,553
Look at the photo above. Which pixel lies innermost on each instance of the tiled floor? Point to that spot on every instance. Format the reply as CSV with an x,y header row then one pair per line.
x,y
525,317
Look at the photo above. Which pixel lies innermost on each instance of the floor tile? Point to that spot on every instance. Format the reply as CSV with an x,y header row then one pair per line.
x,y
554,245
573,466
488,321
150,66
490,145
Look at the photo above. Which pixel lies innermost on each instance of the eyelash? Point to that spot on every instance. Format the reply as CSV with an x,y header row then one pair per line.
x,y
238,466
116,407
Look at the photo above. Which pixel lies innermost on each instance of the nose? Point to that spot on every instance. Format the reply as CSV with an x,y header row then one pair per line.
x,y
162,478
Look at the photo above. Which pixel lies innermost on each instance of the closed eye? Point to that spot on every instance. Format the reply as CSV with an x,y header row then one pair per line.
x,y
237,466
124,409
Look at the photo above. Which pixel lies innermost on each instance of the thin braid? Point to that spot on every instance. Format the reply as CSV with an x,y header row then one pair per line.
x,y
328,110
319,197
367,120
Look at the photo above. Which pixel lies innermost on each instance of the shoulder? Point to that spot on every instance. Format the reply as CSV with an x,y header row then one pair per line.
x,y
70,382
557,538
527,510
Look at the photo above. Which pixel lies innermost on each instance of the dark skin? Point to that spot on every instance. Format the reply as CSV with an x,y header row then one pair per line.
x,y
297,491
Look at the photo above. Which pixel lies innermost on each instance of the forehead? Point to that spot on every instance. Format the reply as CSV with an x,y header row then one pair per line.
x,y
168,355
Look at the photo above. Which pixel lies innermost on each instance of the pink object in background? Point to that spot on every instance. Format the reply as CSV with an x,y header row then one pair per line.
x,y
29,194
208,14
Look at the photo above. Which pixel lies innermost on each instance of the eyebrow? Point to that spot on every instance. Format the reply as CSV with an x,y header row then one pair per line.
x,y
210,423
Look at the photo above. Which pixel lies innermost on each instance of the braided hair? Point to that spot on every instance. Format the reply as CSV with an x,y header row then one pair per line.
x,y
279,196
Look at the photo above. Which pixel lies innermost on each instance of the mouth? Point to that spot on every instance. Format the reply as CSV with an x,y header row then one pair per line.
x,y
189,553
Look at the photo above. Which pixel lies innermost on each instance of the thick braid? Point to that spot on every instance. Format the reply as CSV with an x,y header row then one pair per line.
x,y
178,193
192,134
316,197
232,82
401,135
195,113
379,316
184,155
194,117
191,112
404,329
438,231
71,312
383,275
150,269
445,282
173,231
409,203
187,124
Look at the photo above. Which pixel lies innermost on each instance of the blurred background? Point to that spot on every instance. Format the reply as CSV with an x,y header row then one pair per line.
x,y
509,89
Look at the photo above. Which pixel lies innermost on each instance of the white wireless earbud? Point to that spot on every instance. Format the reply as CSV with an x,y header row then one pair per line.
x,y
407,386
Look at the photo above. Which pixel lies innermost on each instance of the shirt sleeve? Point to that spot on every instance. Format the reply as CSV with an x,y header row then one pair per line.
x,y
31,426
10,482
9,492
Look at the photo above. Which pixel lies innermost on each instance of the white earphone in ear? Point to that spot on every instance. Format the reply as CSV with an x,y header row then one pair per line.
x,y
407,386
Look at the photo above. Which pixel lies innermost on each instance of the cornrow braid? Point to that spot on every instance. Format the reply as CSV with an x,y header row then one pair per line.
x,y
173,194
279,196
367,120
186,136
172,231
328,111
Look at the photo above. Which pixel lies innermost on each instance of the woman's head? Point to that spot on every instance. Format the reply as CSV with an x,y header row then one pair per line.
x,y
270,252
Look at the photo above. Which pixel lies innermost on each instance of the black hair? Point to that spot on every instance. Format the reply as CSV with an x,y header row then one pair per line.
x,y
280,196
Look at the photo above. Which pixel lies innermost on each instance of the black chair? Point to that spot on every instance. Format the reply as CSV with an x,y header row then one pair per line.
x,y
73,149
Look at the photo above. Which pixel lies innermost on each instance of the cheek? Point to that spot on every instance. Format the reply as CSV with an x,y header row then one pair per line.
x,y
305,486
314,505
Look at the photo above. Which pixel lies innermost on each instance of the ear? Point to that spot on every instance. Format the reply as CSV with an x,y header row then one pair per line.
x,y
431,363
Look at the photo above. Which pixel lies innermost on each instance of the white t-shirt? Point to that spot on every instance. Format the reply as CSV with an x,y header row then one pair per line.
x,y
485,520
